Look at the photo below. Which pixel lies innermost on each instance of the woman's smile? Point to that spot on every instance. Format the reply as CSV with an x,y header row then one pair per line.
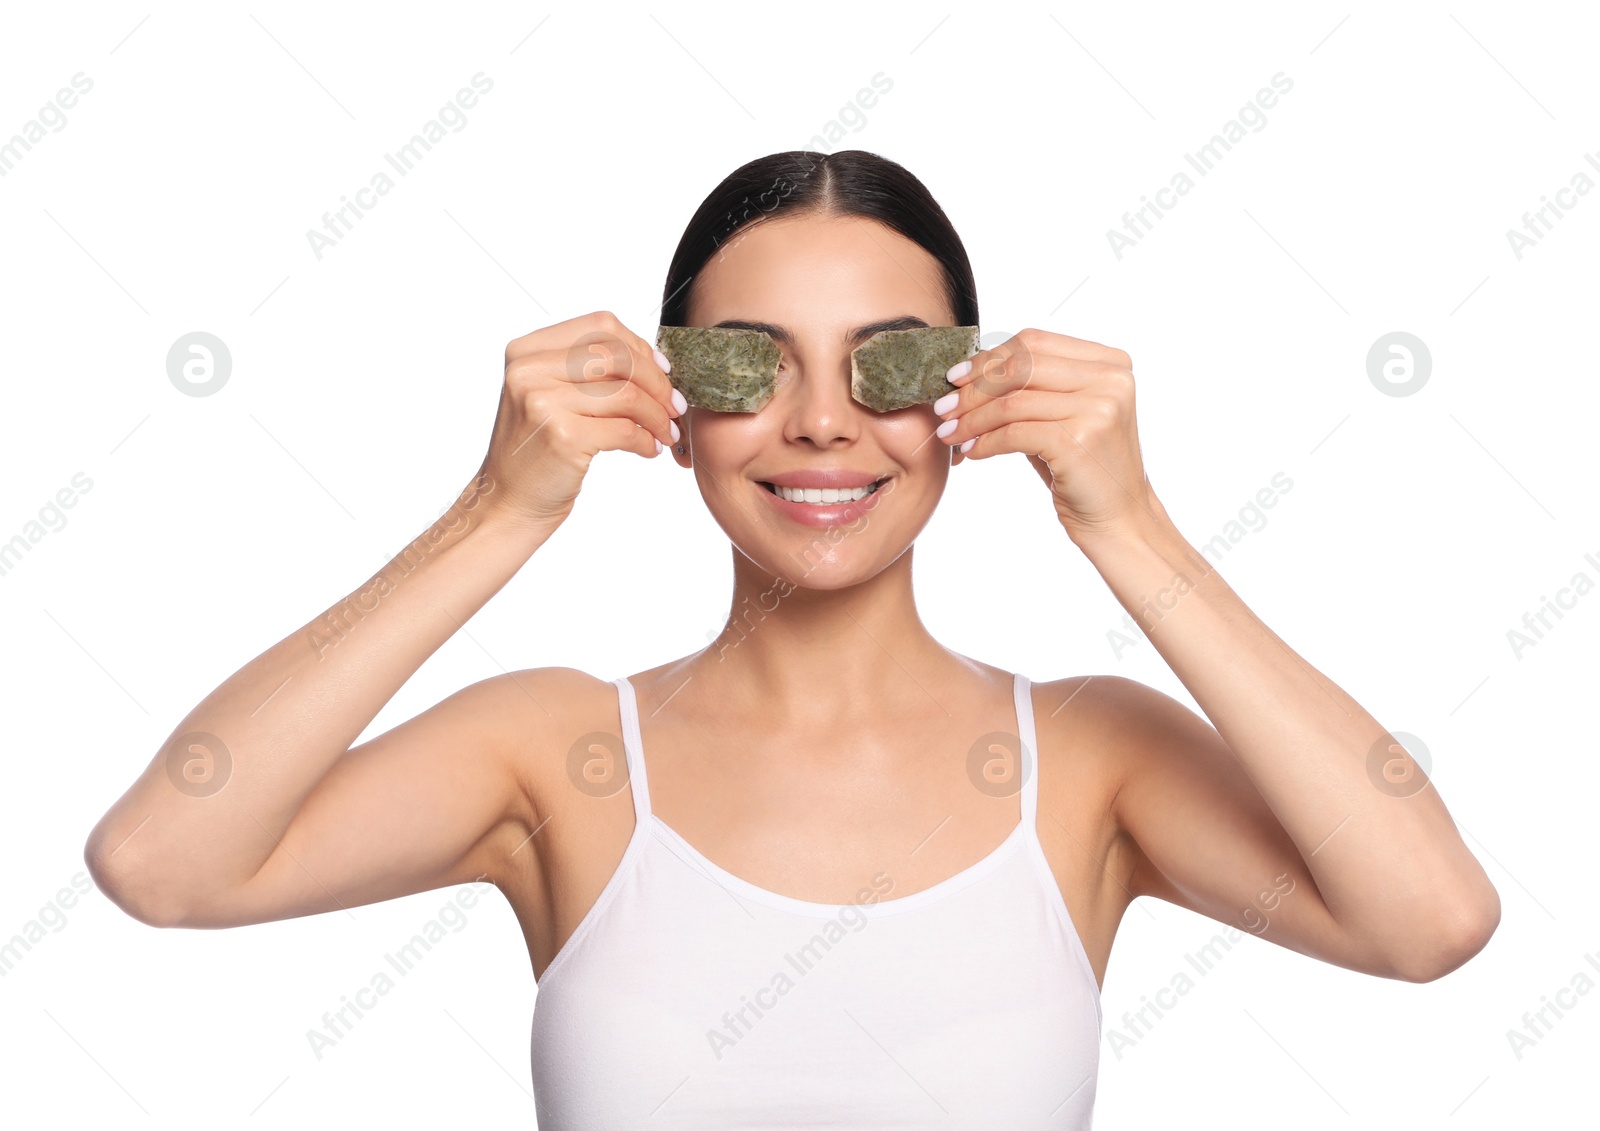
x,y
825,498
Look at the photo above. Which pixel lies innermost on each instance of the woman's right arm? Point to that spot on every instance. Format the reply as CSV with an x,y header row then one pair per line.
x,y
257,808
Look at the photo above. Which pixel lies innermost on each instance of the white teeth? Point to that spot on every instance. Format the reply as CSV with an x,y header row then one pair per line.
x,y
821,496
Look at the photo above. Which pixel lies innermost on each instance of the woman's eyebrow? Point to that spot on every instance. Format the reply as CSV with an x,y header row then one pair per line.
x,y
855,337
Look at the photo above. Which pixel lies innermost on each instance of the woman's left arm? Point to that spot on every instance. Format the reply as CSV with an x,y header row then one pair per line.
x,y
1393,889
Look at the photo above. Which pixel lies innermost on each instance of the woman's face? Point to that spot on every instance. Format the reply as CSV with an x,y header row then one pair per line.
x,y
820,286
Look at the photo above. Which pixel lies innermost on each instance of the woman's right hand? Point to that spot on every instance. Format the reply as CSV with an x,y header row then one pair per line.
x,y
582,386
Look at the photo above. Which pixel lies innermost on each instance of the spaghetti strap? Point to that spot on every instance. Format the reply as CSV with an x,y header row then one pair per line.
x,y
1026,736
633,748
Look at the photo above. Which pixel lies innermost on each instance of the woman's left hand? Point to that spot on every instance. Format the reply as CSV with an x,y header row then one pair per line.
x,y
1067,404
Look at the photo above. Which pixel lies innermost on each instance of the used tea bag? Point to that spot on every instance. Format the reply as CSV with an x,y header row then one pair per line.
x,y
897,368
736,370
722,370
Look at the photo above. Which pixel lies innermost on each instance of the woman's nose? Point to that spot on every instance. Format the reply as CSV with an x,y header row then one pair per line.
x,y
820,405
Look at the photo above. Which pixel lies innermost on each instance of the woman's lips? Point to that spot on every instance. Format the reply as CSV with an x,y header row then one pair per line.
x,y
823,515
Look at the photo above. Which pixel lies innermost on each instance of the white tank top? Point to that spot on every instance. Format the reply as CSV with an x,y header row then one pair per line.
x,y
690,998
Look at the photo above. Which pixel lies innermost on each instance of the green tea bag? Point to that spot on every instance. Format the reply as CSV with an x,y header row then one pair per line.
x,y
898,368
736,370
722,370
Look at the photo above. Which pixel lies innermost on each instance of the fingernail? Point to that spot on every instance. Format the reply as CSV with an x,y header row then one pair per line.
x,y
659,448
679,403
945,403
947,427
661,360
966,445
957,371
672,424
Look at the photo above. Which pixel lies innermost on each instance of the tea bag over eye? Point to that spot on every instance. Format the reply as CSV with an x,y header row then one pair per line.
x,y
897,368
721,370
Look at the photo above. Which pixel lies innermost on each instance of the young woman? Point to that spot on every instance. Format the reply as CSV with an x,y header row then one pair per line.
x,y
824,871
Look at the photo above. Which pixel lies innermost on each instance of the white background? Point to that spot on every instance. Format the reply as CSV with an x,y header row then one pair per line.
x,y
1418,531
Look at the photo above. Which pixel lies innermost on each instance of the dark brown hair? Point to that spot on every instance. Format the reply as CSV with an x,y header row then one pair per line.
x,y
852,182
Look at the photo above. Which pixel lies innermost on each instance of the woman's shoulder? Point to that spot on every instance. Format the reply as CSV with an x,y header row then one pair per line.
x,y
1111,730
543,716
1080,721
560,682
1093,698
547,708
1090,720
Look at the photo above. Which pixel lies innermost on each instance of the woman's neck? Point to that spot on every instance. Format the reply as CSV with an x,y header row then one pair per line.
x,y
822,653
